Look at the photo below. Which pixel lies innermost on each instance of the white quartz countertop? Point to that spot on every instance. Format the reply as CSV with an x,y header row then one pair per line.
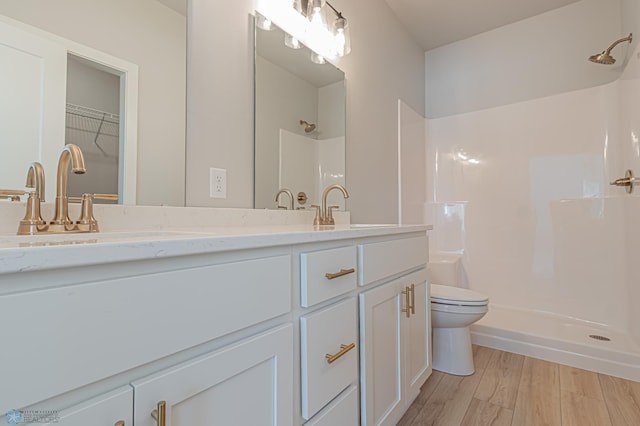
x,y
40,252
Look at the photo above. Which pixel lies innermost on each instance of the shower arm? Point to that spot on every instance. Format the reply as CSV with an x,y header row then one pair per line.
x,y
629,38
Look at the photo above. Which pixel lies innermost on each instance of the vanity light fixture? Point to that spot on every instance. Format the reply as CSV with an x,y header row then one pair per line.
x,y
314,23
319,25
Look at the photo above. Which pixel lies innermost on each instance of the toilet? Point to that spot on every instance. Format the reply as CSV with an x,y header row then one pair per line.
x,y
453,310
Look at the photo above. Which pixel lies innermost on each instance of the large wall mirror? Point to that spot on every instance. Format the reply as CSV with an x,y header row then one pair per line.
x,y
64,62
299,123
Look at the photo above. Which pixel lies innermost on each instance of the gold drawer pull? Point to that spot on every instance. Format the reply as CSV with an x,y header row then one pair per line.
x,y
160,413
343,350
407,301
413,299
342,273
119,423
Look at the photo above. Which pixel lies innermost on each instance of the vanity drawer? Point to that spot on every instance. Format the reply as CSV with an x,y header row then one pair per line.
x,y
326,274
385,259
342,411
330,331
123,323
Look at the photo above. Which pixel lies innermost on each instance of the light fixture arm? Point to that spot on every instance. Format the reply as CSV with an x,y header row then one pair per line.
x,y
338,14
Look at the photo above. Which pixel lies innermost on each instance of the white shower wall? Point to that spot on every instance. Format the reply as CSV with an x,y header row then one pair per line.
x,y
521,190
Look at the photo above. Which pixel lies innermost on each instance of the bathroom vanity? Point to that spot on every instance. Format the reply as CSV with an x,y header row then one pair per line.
x,y
242,325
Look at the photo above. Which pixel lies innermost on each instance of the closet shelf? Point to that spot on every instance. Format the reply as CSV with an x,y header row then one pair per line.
x,y
92,120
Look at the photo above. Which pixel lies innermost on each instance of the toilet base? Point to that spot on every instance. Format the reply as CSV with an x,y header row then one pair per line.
x,y
452,352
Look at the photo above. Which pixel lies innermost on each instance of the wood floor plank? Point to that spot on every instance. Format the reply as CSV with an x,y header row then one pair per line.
x,y
580,410
483,413
619,395
499,384
425,392
538,401
449,401
537,372
482,355
520,391
580,382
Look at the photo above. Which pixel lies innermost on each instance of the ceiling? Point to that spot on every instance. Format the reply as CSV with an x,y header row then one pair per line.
x,y
434,23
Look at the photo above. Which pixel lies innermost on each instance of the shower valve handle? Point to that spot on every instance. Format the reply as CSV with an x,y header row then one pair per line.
x,y
628,181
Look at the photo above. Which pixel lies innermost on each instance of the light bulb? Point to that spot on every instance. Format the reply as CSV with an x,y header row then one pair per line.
x,y
342,37
292,42
317,59
263,22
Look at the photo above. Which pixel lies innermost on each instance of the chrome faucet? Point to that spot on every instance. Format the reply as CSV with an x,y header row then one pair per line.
x,y
289,193
70,154
324,213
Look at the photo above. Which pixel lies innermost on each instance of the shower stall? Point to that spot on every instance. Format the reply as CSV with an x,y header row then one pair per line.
x,y
519,185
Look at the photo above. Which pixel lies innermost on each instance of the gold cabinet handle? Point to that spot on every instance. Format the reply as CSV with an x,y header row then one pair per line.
x,y
343,350
342,273
407,301
119,423
160,413
413,299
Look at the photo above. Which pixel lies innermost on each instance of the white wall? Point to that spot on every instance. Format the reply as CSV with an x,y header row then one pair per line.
x,y
152,36
331,110
412,158
385,65
283,99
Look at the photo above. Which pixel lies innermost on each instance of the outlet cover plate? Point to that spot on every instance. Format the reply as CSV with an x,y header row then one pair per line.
x,y
218,183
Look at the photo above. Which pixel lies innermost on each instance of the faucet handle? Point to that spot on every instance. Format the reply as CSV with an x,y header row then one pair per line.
x,y
318,219
86,213
32,222
330,220
12,194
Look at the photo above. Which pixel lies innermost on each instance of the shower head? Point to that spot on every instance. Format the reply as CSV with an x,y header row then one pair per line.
x,y
605,57
308,127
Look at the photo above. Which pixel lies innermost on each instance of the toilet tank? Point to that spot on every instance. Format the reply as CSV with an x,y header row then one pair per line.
x,y
445,269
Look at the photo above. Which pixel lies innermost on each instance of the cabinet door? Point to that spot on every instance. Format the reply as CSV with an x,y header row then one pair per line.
x,y
249,383
105,410
380,355
415,339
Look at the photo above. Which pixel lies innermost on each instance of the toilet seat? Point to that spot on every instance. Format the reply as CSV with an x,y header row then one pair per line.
x,y
454,296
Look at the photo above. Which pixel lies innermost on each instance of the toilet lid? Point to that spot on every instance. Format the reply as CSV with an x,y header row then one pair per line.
x,y
457,296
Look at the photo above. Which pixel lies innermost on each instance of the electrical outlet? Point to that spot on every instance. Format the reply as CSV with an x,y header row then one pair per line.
x,y
218,183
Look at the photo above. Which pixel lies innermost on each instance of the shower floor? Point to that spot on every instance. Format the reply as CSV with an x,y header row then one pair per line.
x,y
559,339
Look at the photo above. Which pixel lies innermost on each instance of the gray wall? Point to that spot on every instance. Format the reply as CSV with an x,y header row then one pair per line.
x,y
536,57
385,65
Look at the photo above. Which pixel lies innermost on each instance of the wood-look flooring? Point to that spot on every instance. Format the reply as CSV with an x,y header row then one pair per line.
x,y
515,390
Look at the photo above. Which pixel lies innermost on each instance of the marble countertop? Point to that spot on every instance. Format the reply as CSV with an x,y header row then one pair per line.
x,y
40,252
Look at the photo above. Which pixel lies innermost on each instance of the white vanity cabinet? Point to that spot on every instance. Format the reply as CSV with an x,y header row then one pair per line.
x,y
394,353
248,383
114,408
283,329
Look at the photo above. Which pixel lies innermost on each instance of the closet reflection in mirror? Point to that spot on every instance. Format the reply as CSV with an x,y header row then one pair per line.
x,y
299,123
93,124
